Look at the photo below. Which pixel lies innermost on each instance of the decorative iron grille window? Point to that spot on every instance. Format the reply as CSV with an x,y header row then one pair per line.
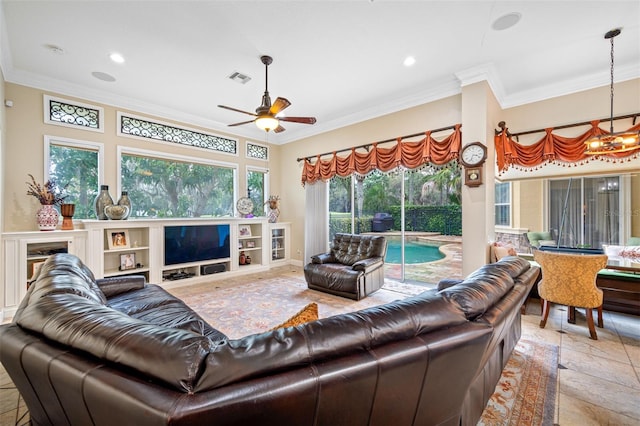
x,y
260,152
144,128
74,114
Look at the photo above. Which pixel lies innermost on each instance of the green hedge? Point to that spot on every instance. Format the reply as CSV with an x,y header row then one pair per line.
x,y
446,220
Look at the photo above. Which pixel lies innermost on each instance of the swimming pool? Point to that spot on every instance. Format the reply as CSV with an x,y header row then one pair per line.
x,y
414,252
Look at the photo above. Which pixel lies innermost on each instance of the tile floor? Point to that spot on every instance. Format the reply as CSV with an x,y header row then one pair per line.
x,y
599,381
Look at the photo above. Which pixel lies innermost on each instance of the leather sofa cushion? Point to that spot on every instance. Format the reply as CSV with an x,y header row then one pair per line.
x,y
349,249
328,338
513,265
65,273
155,305
170,355
480,290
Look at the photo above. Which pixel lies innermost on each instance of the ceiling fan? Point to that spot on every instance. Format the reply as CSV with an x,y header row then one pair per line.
x,y
266,114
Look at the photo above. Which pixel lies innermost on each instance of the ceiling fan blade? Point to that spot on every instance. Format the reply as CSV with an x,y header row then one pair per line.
x,y
279,129
241,123
236,110
279,105
303,120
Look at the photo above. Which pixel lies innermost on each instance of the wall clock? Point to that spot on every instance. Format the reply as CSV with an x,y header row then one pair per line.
x,y
244,206
473,154
472,157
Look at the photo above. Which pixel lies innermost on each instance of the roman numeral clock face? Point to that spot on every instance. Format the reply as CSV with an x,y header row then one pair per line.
x,y
473,154
472,157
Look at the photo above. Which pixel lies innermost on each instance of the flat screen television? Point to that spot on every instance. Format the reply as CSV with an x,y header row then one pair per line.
x,y
196,243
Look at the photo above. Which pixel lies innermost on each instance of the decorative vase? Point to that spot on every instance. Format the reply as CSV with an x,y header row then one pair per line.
x,y
243,258
116,212
273,214
103,200
248,260
67,211
125,201
47,217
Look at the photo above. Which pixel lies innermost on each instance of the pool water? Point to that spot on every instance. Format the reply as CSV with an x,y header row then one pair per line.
x,y
414,252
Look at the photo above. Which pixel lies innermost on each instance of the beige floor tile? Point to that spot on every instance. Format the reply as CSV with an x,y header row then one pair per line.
x,y
619,372
599,393
576,412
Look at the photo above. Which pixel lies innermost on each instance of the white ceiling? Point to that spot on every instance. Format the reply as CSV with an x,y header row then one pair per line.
x,y
340,61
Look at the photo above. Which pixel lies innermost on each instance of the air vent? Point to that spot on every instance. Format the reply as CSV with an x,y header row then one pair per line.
x,y
239,78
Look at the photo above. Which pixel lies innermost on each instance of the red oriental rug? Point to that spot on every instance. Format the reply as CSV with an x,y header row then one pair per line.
x,y
526,392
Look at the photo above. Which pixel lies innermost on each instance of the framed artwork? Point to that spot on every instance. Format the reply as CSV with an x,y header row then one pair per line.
x,y
118,239
127,261
244,230
251,244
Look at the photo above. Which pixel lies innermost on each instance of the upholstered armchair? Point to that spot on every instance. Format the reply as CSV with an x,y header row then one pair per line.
x,y
353,268
570,280
537,238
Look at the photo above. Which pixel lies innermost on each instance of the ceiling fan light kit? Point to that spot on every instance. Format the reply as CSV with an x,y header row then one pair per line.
x,y
612,142
266,122
265,115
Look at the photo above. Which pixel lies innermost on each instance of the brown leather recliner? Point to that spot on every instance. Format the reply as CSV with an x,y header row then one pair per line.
x,y
353,268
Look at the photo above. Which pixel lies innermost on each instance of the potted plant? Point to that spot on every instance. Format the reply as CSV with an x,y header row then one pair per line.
x,y
48,195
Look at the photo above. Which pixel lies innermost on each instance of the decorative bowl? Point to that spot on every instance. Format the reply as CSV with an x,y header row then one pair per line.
x,y
116,212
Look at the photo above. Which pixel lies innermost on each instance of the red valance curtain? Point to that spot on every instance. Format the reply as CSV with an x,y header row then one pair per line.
x,y
552,148
408,154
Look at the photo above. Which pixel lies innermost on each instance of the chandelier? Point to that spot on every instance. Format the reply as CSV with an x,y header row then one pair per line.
x,y
612,142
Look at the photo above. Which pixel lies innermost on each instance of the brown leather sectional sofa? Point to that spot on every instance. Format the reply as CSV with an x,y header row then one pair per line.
x,y
123,352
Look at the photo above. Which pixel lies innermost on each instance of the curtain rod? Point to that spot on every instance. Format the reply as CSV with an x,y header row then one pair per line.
x,y
503,127
367,145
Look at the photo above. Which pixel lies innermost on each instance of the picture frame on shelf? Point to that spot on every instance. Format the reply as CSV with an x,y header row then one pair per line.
x,y
251,244
118,239
127,261
244,230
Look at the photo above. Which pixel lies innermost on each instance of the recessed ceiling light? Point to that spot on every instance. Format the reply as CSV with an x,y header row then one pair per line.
x,y
117,58
409,60
506,21
103,76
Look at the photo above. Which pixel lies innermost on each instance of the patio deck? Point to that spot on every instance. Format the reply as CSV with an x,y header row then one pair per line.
x,y
430,273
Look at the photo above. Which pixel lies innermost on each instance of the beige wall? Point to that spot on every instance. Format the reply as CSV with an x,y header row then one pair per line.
x,y
24,141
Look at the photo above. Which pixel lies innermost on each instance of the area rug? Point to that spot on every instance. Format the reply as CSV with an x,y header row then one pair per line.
x,y
526,392
239,309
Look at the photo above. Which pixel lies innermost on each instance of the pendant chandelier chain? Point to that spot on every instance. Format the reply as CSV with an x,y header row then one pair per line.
x,y
611,122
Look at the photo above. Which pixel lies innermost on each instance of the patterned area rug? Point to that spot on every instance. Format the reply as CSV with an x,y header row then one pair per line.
x,y
526,392
240,309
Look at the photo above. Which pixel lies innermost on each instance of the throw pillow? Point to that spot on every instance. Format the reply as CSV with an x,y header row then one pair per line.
x,y
500,250
306,314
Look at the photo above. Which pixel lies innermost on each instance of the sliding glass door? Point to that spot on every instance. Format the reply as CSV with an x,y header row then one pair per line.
x,y
583,211
410,208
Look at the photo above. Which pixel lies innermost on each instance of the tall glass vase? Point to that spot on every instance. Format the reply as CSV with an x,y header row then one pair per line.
x,y
125,201
103,200
47,217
